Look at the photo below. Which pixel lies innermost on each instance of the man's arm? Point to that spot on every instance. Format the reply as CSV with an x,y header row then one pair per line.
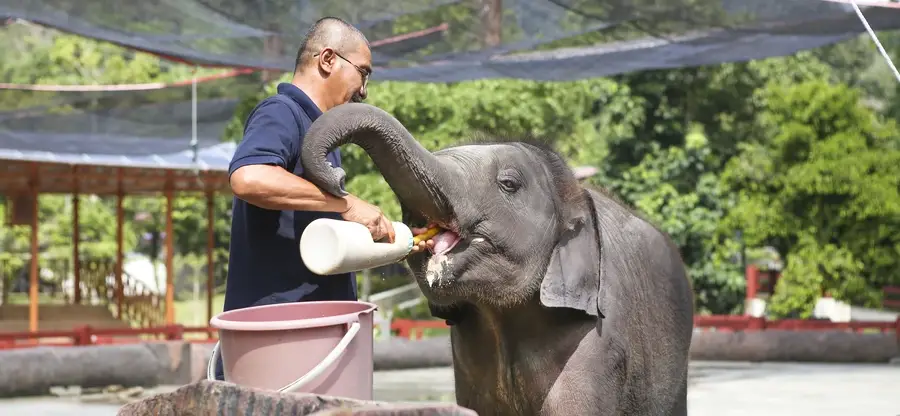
x,y
258,173
273,187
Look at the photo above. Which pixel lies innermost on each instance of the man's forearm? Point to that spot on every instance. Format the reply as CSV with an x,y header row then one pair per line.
x,y
272,187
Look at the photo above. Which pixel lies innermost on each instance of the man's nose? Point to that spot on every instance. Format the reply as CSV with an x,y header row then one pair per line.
x,y
363,92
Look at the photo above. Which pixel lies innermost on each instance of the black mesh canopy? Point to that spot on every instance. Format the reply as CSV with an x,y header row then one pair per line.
x,y
151,128
454,40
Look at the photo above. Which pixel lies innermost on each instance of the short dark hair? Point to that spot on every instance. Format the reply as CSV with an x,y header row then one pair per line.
x,y
330,32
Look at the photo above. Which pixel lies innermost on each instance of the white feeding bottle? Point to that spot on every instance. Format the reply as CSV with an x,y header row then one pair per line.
x,y
330,247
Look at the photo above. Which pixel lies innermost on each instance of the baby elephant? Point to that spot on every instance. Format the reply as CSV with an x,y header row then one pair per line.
x,y
562,300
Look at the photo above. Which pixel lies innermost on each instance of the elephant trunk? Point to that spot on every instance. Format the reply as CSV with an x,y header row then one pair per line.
x,y
415,175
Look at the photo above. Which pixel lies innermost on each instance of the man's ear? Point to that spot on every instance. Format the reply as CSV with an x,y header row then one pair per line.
x,y
326,60
572,279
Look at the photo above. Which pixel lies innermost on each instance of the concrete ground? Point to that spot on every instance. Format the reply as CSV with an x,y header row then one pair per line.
x,y
716,389
775,389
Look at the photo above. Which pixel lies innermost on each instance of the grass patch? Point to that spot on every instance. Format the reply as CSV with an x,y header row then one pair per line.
x,y
193,313
435,332
21,298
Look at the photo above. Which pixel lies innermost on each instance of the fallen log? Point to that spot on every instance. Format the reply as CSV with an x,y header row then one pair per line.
x,y
795,346
220,398
400,353
33,371
769,345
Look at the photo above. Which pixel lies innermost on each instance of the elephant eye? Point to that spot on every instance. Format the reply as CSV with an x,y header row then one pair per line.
x,y
509,184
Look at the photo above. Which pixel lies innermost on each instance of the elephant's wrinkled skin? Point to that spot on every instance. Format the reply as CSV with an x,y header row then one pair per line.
x,y
563,301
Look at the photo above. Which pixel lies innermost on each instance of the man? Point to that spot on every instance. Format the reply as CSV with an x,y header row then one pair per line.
x,y
273,204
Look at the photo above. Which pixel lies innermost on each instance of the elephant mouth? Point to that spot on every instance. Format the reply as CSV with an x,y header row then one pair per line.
x,y
442,268
458,246
454,249
445,241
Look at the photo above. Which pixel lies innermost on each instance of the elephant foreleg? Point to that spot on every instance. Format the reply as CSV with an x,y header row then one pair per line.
x,y
680,406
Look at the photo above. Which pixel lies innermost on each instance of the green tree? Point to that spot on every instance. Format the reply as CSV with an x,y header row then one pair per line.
x,y
677,189
820,184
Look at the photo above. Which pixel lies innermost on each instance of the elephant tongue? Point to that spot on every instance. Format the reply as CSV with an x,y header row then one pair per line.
x,y
444,242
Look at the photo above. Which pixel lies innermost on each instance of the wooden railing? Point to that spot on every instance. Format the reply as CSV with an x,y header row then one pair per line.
x,y
140,306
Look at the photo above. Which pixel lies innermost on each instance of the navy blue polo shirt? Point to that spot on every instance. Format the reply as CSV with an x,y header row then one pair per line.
x,y
264,266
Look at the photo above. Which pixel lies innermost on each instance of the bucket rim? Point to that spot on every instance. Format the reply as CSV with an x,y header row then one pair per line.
x,y
220,321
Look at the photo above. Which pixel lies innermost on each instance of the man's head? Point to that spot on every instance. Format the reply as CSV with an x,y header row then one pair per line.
x,y
335,57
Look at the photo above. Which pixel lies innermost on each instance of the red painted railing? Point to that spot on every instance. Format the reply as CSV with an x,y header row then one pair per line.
x,y
405,328
750,323
412,329
891,297
86,335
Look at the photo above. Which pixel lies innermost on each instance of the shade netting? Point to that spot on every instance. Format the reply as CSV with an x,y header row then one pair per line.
x,y
455,40
151,128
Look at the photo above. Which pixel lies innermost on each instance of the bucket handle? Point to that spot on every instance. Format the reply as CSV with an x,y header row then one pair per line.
x,y
328,361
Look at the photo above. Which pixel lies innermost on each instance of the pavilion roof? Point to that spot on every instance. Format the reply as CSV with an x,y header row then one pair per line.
x,y
102,173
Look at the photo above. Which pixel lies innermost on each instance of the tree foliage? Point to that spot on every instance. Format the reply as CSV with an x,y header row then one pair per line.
x,y
820,183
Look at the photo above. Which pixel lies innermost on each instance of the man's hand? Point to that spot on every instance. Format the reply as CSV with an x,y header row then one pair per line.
x,y
423,245
369,215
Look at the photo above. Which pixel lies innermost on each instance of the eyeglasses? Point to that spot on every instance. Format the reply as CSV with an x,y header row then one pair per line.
x,y
363,72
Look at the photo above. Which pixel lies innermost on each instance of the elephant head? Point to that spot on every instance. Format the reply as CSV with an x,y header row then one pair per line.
x,y
516,222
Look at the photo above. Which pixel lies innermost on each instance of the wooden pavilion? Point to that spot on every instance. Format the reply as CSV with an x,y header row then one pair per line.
x,y
26,174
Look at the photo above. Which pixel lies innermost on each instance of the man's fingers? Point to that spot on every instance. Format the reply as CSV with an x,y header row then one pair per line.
x,y
375,230
422,246
381,231
390,229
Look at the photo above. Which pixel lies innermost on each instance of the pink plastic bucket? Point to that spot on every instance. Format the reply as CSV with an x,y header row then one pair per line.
x,y
311,347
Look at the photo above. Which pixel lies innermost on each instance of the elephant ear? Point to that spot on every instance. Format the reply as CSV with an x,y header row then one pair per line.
x,y
572,279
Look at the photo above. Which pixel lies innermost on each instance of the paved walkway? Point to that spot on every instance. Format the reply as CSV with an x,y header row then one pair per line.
x,y
775,389
717,389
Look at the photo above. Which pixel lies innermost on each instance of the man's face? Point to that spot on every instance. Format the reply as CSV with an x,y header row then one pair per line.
x,y
351,74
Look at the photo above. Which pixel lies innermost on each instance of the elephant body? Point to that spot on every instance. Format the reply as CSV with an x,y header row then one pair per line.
x,y
562,300
549,361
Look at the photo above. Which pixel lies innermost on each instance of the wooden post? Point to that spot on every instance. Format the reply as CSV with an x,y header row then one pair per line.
x,y
76,240
120,242
210,246
491,22
752,275
33,283
170,258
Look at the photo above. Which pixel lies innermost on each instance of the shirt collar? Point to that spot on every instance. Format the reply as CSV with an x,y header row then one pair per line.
x,y
300,97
